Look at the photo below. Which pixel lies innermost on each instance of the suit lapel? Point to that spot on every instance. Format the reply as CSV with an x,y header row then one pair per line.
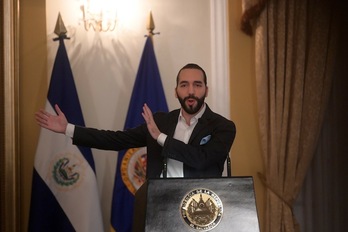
x,y
202,124
172,122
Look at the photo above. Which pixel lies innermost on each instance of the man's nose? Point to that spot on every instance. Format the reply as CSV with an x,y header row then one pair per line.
x,y
191,89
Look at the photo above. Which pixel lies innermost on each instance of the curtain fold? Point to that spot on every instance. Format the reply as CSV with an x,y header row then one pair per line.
x,y
295,51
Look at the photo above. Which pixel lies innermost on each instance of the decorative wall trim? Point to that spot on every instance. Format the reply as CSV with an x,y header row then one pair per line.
x,y
220,61
219,58
10,179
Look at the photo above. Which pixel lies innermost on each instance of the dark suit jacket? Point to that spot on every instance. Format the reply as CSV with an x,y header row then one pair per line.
x,y
203,156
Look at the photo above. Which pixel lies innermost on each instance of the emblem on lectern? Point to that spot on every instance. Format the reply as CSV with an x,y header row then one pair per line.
x,y
201,209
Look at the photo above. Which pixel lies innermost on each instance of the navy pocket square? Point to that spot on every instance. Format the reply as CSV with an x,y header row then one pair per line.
x,y
205,140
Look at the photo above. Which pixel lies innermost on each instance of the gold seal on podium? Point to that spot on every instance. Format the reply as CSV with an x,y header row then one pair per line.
x,y
201,209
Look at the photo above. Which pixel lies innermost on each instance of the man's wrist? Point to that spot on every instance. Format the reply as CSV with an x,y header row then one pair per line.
x,y
69,131
161,139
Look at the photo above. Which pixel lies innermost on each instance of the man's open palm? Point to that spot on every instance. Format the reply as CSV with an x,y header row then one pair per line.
x,y
56,123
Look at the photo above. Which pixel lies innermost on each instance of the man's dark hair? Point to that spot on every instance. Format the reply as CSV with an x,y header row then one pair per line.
x,y
192,66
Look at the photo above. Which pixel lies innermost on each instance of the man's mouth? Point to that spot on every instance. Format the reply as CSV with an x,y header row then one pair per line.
x,y
191,101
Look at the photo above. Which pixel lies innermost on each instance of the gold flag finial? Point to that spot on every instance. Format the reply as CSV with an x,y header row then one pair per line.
x,y
150,24
60,29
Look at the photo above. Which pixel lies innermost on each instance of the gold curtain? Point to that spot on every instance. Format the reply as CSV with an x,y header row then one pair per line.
x,y
295,51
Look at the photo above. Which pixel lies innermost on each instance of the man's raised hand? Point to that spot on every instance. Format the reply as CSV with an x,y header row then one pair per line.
x,y
151,125
56,123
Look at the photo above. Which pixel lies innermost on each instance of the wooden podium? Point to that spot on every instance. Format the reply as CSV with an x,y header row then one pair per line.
x,y
213,204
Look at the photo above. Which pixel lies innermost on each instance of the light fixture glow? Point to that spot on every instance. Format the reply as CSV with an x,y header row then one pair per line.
x,y
100,15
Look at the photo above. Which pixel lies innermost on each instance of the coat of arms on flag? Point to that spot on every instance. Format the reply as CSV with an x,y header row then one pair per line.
x,y
133,168
68,171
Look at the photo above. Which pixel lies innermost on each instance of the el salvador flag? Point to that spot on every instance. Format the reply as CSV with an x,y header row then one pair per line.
x,y
64,188
147,89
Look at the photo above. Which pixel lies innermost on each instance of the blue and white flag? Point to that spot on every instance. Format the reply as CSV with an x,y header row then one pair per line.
x,y
64,189
131,164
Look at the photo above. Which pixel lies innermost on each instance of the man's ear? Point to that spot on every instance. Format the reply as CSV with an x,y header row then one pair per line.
x,y
175,94
206,91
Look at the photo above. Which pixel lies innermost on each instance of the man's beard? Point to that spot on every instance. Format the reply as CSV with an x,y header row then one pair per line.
x,y
191,109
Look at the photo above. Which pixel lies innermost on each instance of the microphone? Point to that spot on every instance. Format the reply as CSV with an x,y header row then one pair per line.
x,y
164,173
229,173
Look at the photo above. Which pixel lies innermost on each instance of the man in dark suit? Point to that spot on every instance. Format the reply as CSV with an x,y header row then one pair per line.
x,y
192,141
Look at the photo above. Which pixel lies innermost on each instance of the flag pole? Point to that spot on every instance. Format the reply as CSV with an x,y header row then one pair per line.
x,y
68,202
147,89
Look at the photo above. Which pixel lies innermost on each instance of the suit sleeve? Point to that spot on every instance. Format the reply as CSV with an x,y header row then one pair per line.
x,y
110,140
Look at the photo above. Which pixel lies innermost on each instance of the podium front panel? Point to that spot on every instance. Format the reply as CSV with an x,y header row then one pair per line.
x,y
158,204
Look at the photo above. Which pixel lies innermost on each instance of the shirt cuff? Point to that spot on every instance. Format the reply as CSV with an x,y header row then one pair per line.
x,y
161,139
70,128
